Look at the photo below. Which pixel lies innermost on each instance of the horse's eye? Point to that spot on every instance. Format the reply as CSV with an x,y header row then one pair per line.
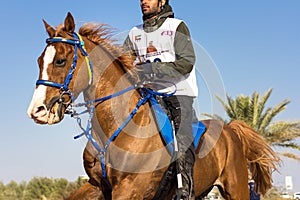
x,y
60,62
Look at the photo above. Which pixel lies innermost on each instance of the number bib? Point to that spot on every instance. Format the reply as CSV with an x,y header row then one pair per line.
x,y
158,46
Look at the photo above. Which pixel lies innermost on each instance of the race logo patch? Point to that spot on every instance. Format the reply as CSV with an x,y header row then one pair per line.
x,y
167,33
137,38
151,48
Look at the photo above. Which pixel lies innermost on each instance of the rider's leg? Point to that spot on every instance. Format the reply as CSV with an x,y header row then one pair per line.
x,y
181,110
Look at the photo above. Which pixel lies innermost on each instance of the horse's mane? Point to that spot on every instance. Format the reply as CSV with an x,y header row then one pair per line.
x,y
100,34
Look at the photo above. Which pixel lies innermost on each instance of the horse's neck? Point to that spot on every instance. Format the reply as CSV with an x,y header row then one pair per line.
x,y
102,64
110,78
140,136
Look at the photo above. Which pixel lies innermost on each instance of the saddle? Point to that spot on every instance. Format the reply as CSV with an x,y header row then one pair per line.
x,y
164,122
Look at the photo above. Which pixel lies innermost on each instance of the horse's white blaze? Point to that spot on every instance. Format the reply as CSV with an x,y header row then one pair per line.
x,y
40,92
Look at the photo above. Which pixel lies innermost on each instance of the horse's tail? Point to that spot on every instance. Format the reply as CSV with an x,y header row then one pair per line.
x,y
261,158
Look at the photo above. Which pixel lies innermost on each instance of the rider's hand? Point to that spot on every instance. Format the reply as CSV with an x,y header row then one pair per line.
x,y
144,71
145,68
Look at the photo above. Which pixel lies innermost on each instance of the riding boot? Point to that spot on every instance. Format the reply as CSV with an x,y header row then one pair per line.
x,y
185,166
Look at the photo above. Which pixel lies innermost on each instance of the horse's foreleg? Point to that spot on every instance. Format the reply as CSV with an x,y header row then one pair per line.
x,y
87,192
92,190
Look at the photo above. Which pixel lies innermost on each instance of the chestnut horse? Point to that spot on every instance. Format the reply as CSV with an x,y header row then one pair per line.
x,y
129,162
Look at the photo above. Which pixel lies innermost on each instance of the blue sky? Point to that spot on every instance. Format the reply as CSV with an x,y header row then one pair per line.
x,y
254,44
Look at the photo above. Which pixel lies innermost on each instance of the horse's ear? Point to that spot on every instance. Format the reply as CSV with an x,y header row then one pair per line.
x,y
50,30
69,23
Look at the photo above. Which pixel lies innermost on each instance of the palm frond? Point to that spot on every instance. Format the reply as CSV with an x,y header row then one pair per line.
x,y
263,101
273,112
228,108
255,105
289,155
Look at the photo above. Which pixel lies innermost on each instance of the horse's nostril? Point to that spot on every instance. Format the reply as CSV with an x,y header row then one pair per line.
x,y
39,111
40,108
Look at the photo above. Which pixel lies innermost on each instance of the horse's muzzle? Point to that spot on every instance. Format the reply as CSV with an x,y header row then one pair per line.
x,y
51,113
57,107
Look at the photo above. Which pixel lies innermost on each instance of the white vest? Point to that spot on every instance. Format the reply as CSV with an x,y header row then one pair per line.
x,y
158,46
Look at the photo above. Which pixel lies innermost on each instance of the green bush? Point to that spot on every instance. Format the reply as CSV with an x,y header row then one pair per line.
x,y
39,188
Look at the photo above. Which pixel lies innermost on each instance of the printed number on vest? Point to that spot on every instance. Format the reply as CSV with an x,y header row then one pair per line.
x,y
155,60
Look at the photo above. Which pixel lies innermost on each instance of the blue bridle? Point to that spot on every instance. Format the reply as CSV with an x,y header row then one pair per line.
x,y
77,43
146,94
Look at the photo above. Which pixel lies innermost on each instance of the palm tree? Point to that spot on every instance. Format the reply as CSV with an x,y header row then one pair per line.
x,y
252,110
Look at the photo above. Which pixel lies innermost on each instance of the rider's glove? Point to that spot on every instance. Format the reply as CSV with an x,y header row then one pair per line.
x,y
144,71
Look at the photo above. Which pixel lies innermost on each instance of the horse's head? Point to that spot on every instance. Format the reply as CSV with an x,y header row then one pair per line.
x,y
59,65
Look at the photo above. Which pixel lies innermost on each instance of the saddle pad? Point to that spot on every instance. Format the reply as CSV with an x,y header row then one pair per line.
x,y
166,128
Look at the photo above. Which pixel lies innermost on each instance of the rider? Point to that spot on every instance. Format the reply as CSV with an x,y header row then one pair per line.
x,y
163,50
